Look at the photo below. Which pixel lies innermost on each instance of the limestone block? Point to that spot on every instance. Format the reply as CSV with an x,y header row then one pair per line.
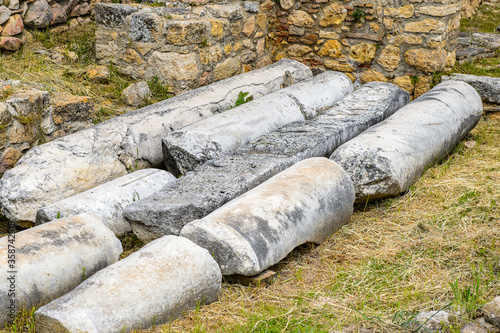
x,y
108,200
143,27
426,60
400,12
427,25
98,154
331,48
151,286
66,108
112,15
333,14
487,87
192,145
304,203
174,66
186,32
301,18
372,75
212,184
386,159
389,58
362,52
227,69
52,259
439,11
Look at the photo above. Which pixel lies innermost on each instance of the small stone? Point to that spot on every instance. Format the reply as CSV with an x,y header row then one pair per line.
x,y
472,328
80,10
14,26
227,69
372,75
389,58
333,15
98,74
435,319
251,6
136,94
58,14
4,14
405,82
491,311
39,14
362,53
10,43
206,78
331,48
72,56
339,66
9,159
301,18
14,5
297,50
287,4
249,26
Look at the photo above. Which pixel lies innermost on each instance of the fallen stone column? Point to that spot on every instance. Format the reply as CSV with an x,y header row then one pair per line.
x,y
52,259
304,203
487,87
222,179
386,159
223,133
108,200
151,286
98,154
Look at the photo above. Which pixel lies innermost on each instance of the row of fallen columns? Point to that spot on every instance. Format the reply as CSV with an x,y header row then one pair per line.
x,y
248,197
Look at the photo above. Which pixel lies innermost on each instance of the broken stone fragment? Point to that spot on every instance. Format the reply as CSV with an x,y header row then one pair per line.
x,y
52,259
95,155
304,203
195,144
487,87
222,179
108,200
151,286
387,158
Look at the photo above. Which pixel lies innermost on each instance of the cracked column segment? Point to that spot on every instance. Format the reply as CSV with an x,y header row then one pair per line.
x,y
96,155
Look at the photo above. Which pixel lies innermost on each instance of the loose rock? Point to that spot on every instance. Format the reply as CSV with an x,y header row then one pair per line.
x,y
491,311
39,14
151,286
304,203
213,184
192,145
136,94
108,200
54,258
386,159
98,154
434,320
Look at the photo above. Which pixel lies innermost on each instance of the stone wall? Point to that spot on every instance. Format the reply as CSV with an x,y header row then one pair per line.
x,y
185,46
16,14
397,41
29,117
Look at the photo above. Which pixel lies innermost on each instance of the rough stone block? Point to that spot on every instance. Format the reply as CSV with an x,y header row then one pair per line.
x,y
153,285
52,259
222,179
112,15
98,154
387,158
487,87
108,200
304,203
192,145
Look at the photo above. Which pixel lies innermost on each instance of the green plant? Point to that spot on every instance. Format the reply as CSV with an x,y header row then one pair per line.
x,y
468,298
83,274
436,78
242,98
204,43
159,91
358,14
414,79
